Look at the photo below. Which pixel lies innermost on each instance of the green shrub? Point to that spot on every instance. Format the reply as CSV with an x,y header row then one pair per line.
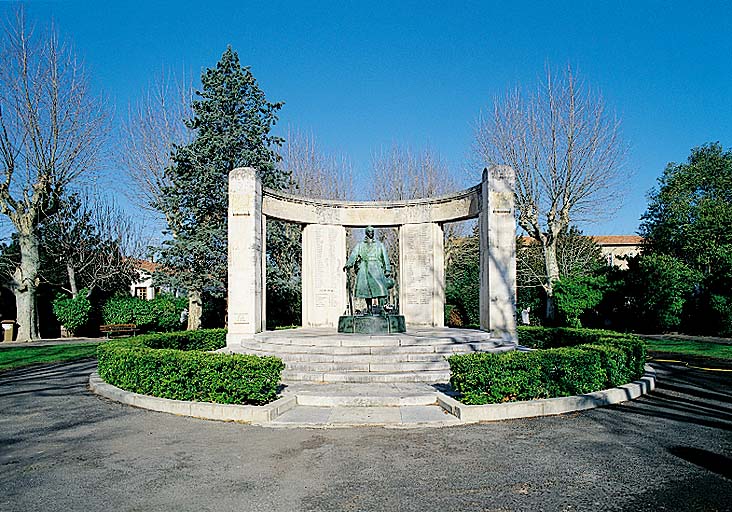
x,y
547,337
176,366
73,312
582,361
160,314
575,295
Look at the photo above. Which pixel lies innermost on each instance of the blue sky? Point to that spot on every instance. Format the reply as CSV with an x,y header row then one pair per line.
x,y
363,75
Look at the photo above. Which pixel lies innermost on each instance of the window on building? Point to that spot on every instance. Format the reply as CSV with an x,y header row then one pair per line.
x,y
141,292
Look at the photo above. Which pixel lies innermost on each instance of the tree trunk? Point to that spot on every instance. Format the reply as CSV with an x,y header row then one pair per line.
x,y
551,267
72,279
195,310
24,287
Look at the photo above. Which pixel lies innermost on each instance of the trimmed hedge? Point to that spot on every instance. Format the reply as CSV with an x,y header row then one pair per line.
x,y
162,314
177,366
584,361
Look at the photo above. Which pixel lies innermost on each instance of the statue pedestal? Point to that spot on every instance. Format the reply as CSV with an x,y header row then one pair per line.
x,y
372,324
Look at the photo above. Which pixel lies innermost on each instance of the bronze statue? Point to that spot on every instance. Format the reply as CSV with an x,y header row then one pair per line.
x,y
373,271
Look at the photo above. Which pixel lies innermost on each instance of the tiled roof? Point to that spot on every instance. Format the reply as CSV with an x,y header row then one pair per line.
x,y
147,266
605,240
618,239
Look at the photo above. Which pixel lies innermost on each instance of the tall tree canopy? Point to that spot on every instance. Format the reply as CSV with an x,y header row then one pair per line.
x,y
51,129
689,218
690,213
568,155
232,120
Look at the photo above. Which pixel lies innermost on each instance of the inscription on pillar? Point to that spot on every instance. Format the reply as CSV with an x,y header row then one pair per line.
x,y
422,274
324,280
419,273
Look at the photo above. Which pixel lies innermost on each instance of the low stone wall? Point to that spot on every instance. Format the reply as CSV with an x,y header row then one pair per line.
x,y
549,406
205,410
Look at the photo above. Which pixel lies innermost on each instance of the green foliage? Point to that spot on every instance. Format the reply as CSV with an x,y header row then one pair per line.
x,y
574,295
585,361
284,297
160,314
688,219
82,245
580,263
232,120
462,278
690,214
73,312
177,366
659,287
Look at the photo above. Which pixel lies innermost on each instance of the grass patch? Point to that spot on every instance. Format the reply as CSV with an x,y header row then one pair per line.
x,y
690,348
16,357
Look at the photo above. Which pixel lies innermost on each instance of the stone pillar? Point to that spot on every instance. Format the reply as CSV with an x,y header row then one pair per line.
x,y
324,295
422,274
263,326
498,253
246,248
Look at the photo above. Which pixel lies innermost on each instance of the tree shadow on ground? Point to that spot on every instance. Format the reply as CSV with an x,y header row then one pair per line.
x,y
685,395
714,462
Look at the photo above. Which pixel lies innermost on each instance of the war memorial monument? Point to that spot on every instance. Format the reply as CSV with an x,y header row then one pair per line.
x,y
402,342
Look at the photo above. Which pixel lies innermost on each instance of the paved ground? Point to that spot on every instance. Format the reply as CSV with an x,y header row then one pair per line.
x,y
62,448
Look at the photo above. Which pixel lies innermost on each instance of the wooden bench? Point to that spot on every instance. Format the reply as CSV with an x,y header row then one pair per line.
x,y
121,329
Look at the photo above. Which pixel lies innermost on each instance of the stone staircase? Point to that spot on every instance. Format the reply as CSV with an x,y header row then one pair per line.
x,y
322,355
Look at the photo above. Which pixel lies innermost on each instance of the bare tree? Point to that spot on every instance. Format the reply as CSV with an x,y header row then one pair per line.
x,y
155,123
51,130
314,171
399,173
568,155
577,255
94,242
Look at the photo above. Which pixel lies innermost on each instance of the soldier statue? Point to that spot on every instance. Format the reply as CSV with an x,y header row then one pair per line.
x,y
373,271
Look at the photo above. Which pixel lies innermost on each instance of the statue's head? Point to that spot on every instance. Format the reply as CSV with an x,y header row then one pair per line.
x,y
369,232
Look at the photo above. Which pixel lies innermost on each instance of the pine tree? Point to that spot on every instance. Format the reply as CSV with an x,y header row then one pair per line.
x,y
232,120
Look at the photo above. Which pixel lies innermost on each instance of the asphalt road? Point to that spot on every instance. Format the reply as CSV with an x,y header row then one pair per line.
x,y
63,448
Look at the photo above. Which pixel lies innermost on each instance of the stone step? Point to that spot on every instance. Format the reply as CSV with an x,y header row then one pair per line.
x,y
356,340
276,349
303,357
337,367
339,416
433,376
362,395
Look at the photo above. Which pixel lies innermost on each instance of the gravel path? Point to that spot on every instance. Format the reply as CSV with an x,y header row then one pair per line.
x,y
63,448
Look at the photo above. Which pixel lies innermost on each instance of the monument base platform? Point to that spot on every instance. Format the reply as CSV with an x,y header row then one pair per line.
x,y
371,324
324,355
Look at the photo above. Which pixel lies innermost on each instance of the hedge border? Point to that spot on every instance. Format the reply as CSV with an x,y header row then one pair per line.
x,y
549,406
584,361
254,414
181,366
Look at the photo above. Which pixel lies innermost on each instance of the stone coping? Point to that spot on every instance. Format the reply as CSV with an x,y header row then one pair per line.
x,y
205,410
265,415
444,198
549,406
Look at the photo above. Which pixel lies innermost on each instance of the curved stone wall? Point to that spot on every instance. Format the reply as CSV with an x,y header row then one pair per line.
x,y
303,210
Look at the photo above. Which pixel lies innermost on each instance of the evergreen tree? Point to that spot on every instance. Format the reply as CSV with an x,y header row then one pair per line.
x,y
231,120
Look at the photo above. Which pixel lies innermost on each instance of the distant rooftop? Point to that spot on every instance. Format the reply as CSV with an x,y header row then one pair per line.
x,y
605,240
